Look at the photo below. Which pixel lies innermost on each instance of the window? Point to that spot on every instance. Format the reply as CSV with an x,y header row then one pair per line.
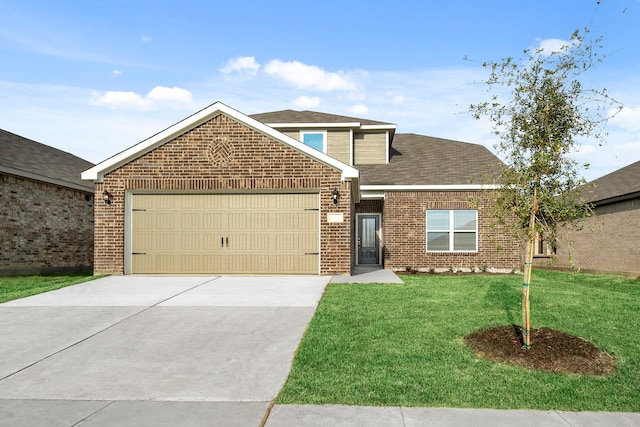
x,y
452,231
543,248
315,139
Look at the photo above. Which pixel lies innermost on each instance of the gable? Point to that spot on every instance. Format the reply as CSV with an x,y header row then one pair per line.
x,y
172,133
223,150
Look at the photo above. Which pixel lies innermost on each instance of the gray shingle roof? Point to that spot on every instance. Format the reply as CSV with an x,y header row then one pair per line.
x,y
292,116
424,160
619,184
26,157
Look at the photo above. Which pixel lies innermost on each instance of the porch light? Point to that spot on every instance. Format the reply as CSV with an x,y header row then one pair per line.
x,y
106,196
335,193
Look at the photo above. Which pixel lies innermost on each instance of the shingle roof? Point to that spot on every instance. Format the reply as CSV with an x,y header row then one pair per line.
x,y
292,116
617,184
26,157
424,160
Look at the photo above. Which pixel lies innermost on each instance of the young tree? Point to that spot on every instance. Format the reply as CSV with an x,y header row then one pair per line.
x,y
546,109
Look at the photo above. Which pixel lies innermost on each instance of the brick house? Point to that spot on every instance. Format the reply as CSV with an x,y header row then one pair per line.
x,y
293,192
46,218
608,242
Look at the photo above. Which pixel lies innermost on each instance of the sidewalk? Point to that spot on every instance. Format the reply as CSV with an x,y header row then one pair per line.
x,y
358,416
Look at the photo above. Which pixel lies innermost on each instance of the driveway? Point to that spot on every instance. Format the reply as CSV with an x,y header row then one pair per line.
x,y
138,350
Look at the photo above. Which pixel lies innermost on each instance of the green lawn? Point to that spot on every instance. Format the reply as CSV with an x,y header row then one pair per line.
x,y
402,345
14,287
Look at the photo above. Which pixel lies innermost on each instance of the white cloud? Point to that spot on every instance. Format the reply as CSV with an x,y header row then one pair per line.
x,y
159,95
306,102
548,47
243,65
627,118
145,38
169,94
116,100
116,72
308,76
359,109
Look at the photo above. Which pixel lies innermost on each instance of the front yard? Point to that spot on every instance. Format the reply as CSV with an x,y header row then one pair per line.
x,y
403,345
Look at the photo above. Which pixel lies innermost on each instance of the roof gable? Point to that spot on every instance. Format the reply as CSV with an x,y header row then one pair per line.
x,y
30,159
98,172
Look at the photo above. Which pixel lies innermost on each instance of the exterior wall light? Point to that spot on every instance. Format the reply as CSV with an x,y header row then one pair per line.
x,y
106,196
335,195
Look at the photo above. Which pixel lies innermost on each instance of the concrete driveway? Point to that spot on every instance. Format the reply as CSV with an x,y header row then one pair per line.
x,y
149,351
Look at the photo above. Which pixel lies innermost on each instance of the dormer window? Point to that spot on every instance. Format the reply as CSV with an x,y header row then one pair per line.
x,y
316,139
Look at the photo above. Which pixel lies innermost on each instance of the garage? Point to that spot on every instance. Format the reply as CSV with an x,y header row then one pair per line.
x,y
247,233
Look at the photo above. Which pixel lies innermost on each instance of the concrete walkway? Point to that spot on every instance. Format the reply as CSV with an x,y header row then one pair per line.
x,y
365,274
357,416
191,351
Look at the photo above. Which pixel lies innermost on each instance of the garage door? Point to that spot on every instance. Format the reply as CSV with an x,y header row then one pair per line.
x,y
225,233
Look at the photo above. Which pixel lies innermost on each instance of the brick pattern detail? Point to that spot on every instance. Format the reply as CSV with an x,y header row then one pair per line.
x,y
404,234
607,243
44,227
252,162
369,206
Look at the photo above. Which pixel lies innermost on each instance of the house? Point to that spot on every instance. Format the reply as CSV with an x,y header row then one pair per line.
x,y
46,219
608,241
294,192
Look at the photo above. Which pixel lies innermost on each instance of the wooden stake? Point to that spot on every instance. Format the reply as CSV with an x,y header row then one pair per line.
x,y
528,267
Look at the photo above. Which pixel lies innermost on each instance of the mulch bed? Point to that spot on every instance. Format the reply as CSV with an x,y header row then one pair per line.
x,y
550,350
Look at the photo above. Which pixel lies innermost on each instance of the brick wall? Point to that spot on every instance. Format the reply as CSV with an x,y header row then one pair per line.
x,y
607,243
223,155
404,234
369,206
44,227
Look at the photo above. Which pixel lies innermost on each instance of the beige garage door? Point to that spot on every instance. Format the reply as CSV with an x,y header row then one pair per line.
x,y
225,233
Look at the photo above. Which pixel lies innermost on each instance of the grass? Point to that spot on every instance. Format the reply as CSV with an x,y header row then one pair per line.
x,y
14,287
402,345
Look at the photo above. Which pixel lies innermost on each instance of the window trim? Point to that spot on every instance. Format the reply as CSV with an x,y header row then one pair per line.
x,y
315,132
452,231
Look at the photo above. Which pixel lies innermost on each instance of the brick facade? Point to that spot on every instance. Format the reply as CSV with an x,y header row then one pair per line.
x,y
404,234
608,242
44,227
222,155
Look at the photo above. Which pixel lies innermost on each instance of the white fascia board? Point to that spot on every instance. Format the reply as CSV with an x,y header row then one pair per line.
x,y
97,172
378,127
461,187
371,195
314,125
37,177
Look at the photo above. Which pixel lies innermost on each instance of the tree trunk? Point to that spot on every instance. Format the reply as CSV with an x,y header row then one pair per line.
x,y
528,267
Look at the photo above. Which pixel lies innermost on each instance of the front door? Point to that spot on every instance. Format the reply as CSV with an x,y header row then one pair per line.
x,y
368,239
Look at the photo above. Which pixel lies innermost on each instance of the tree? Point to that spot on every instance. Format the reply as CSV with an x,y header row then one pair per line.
x,y
546,109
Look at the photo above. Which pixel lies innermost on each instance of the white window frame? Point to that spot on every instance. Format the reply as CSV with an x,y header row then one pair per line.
x,y
315,132
452,231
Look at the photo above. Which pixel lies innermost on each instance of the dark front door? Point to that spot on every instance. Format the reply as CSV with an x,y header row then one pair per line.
x,y
368,239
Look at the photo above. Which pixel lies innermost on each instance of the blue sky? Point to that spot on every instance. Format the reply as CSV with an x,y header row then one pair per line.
x,y
93,78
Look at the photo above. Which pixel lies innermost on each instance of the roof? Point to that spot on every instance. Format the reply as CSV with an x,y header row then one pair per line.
x,y
313,117
98,172
618,185
425,160
30,159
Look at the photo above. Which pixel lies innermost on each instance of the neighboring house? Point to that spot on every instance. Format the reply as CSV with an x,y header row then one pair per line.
x,y
46,218
295,192
608,242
